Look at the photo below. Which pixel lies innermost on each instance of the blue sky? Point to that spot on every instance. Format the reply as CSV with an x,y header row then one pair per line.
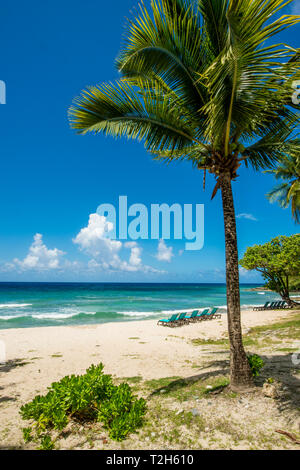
x,y
52,180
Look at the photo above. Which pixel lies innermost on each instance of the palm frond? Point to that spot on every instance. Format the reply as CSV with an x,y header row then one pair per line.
x,y
200,82
288,192
214,13
243,81
169,43
121,110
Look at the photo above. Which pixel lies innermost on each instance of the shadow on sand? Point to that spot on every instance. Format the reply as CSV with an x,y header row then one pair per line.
x,y
280,368
9,365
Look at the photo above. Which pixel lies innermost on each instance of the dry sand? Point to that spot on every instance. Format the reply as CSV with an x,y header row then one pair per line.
x,y
35,357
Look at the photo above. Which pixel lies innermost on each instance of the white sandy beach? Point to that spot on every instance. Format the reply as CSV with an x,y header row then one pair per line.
x,y
38,356
125,348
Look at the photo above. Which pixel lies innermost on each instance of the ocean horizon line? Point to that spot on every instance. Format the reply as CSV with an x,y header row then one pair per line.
x,y
128,283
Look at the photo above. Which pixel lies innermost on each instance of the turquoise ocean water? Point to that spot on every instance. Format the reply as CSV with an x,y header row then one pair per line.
x,y
50,304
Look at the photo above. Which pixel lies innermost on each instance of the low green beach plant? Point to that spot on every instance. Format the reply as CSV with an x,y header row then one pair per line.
x,y
256,363
88,397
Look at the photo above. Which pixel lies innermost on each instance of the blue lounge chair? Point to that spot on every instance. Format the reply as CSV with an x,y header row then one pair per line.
x,y
182,319
169,321
214,314
211,315
206,314
202,315
263,307
193,316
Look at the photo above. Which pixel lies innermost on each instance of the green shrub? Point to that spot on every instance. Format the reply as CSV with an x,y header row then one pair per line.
x,y
27,434
256,363
46,443
88,397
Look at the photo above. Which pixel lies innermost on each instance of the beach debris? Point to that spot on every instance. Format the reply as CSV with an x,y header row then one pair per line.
x,y
208,387
195,412
270,390
153,434
289,435
163,391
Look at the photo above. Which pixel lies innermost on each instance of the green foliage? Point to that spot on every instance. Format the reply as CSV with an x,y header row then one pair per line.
x,y
46,443
295,283
27,434
88,397
122,413
256,363
276,260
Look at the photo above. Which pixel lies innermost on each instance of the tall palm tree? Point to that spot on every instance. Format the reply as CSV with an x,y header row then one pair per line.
x,y
289,190
201,82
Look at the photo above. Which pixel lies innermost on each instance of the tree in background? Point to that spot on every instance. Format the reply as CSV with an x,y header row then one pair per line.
x,y
278,261
295,283
201,82
288,191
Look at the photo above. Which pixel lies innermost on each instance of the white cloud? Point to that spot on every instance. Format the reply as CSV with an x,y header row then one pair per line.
x,y
249,275
94,241
247,216
164,253
243,271
40,257
135,254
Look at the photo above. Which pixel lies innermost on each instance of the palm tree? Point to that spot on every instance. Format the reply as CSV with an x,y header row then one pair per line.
x,y
200,82
288,192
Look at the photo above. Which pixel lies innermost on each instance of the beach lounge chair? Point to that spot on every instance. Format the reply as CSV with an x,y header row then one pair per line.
x,y
214,314
193,316
207,315
263,307
169,321
271,306
202,315
182,319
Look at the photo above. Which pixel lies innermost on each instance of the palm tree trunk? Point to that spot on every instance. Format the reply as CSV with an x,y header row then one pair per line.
x,y
240,372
